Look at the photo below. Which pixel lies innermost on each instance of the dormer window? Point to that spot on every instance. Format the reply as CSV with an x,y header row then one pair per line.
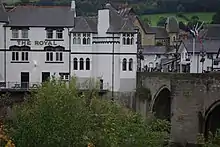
x,y
15,33
86,38
49,33
59,34
24,33
128,39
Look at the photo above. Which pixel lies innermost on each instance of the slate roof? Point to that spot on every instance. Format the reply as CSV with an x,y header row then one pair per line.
x,y
152,49
125,11
210,46
119,23
85,24
160,32
3,14
172,24
212,31
37,16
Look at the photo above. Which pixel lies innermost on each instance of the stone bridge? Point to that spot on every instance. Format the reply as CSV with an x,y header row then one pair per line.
x,y
191,102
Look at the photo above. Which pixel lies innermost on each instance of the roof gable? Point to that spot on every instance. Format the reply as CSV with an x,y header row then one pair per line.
x,y
118,23
3,14
38,16
85,24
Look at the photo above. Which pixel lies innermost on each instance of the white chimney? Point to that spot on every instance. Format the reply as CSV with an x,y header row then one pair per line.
x,y
103,21
73,7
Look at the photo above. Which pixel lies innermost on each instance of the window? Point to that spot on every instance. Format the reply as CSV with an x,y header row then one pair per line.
x,y
24,33
86,38
15,56
64,76
49,56
75,64
50,34
24,56
59,34
209,56
128,39
124,64
59,56
81,64
130,67
87,64
76,38
15,33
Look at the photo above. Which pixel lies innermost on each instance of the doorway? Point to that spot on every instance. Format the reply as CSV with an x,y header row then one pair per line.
x,y
45,76
24,79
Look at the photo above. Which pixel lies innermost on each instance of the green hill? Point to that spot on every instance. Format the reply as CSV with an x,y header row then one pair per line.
x,y
203,16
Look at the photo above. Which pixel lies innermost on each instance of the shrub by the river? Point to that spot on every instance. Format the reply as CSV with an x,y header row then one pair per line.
x,y
56,116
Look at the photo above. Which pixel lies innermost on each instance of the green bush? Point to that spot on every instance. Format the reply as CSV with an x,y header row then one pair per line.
x,y
56,116
212,140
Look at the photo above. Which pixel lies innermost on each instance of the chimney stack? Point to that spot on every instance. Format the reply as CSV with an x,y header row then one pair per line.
x,y
73,7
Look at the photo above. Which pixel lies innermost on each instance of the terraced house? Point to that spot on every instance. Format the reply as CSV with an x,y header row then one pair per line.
x,y
38,42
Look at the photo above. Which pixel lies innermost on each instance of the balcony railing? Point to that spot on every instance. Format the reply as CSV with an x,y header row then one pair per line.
x,y
35,85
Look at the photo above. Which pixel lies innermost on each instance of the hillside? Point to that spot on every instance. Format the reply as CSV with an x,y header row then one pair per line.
x,y
90,7
154,18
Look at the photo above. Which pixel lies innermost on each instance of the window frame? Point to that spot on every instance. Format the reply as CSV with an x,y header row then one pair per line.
x,y
15,56
59,32
130,64
124,64
75,64
24,56
88,64
77,38
86,38
59,56
81,64
15,31
49,56
49,32
128,39
24,33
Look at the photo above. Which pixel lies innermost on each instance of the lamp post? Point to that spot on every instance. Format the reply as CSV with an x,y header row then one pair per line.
x,y
202,54
139,51
177,44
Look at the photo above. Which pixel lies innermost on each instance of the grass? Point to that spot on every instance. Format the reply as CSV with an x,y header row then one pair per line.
x,y
203,16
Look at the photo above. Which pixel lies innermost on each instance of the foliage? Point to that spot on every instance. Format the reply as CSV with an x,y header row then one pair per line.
x,y
206,17
4,139
55,115
161,21
216,18
212,140
143,93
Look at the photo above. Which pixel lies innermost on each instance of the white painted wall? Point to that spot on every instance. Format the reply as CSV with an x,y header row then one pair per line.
x,y
100,63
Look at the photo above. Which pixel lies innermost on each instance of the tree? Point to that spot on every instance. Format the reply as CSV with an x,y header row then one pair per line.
x,y
55,115
161,21
216,18
147,21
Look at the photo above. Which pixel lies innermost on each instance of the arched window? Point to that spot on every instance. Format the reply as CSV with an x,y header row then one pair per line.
x,y
124,64
87,64
81,64
130,66
75,64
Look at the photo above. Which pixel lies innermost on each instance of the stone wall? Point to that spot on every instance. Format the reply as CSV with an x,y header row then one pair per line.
x,y
192,95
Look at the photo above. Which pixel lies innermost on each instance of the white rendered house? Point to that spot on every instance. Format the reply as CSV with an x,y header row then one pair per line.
x,y
35,46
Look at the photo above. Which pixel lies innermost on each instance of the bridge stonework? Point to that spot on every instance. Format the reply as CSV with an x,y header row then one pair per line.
x,y
192,99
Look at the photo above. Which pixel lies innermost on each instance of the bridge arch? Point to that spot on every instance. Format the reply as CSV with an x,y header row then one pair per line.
x,y
212,118
161,104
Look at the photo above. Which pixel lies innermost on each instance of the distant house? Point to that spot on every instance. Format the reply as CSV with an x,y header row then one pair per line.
x,y
206,52
156,41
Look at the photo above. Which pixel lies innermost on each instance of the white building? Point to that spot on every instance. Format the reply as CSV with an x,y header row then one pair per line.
x,y
38,42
